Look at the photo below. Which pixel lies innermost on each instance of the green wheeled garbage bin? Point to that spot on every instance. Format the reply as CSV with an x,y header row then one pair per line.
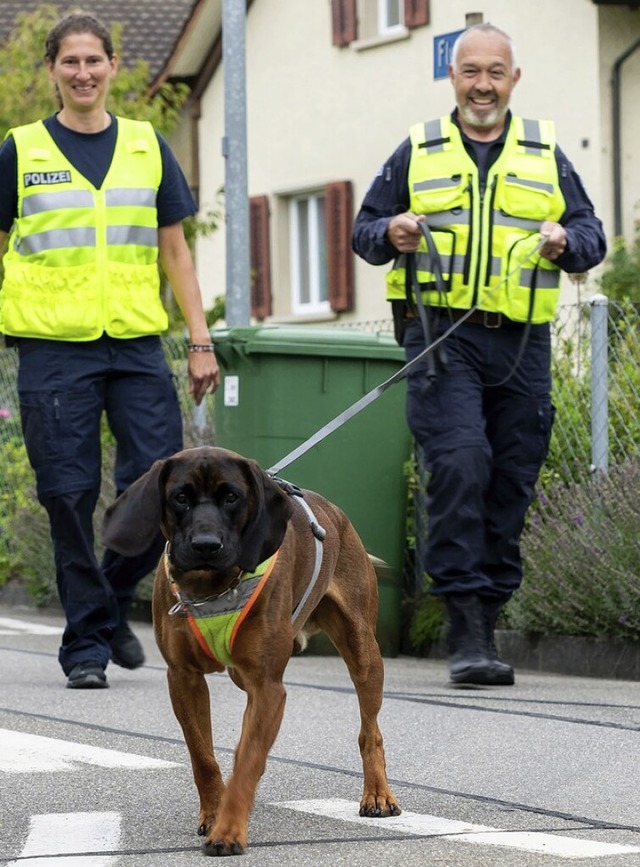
x,y
280,385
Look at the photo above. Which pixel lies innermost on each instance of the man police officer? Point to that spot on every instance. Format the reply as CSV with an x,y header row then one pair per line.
x,y
506,212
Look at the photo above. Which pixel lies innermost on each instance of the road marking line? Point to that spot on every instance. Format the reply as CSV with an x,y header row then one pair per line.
x,y
431,826
54,834
23,753
12,626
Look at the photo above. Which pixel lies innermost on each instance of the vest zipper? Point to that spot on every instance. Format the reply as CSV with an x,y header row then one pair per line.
x,y
479,233
102,252
492,199
467,258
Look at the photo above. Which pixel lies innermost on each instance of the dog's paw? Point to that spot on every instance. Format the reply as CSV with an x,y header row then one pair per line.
x,y
373,807
206,822
218,848
207,818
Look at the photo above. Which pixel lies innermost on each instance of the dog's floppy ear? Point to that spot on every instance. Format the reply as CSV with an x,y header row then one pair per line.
x,y
132,521
268,520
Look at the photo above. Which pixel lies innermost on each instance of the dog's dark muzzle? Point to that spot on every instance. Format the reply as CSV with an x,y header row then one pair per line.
x,y
198,551
206,544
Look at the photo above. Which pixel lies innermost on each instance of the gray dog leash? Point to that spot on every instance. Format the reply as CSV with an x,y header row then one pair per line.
x,y
375,393
364,401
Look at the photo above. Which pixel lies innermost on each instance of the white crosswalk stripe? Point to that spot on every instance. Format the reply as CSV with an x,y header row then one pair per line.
x,y
24,753
13,626
53,836
560,846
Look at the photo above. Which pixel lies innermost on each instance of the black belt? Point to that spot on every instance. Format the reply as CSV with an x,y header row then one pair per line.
x,y
487,318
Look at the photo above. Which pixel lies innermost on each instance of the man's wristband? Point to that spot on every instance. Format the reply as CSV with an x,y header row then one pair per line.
x,y
200,347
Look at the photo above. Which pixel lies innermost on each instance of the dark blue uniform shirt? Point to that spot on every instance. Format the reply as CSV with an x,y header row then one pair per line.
x,y
388,195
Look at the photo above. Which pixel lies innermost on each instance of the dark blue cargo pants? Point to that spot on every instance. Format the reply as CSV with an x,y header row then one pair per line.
x,y
64,389
484,430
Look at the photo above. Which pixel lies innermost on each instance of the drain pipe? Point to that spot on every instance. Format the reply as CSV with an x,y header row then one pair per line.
x,y
617,158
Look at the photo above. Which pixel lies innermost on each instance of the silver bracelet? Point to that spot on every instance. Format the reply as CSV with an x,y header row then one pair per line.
x,y
200,347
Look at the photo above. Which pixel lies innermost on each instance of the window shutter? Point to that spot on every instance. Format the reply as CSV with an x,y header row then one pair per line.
x,y
344,21
260,257
416,13
339,219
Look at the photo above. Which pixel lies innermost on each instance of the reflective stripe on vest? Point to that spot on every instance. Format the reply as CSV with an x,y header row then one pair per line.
x,y
83,261
482,237
66,200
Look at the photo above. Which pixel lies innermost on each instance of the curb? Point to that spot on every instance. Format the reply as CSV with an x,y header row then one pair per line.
x,y
572,655
563,654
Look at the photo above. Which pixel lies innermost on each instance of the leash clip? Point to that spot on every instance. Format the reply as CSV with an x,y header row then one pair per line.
x,y
287,487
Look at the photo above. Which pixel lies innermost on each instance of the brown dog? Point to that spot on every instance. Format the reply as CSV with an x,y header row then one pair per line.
x,y
222,516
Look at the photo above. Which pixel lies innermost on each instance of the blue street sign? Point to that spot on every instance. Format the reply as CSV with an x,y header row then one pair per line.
x,y
442,46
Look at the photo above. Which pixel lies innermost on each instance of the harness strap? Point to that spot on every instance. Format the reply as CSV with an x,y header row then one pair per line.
x,y
318,534
246,608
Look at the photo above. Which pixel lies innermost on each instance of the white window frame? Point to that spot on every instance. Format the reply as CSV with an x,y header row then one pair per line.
x,y
373,24
383,17
315,243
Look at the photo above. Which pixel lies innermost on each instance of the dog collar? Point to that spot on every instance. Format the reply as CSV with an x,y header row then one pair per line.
x,y
185,603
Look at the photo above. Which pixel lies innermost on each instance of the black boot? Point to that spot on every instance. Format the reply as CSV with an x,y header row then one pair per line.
x,y
469,660
126,649
502,672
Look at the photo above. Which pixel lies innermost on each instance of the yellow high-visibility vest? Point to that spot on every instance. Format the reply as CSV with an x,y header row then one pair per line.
x,y
482,236
83,261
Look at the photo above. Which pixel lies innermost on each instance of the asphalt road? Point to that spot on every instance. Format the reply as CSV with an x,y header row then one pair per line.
x,y
543,773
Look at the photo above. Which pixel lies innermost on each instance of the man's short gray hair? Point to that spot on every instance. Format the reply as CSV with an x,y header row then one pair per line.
x,y
484,28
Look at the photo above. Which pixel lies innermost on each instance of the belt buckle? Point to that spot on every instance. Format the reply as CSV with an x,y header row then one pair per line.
x,y
489,321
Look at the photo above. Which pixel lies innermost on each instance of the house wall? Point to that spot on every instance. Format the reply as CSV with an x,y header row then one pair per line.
x,y
317,113
619,29
181,142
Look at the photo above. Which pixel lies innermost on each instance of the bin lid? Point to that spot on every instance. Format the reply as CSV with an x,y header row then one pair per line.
x,y
309,340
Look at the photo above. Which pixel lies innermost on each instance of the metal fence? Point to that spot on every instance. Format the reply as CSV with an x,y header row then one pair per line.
x,y
596,367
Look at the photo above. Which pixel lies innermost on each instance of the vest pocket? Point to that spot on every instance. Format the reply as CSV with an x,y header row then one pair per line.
x,y
133,304
531,289
435,195
530,199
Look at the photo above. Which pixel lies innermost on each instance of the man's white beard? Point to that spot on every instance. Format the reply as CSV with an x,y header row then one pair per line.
x,y
482,120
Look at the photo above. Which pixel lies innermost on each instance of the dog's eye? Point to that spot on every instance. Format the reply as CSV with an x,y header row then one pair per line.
x,y
181,500
230,497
